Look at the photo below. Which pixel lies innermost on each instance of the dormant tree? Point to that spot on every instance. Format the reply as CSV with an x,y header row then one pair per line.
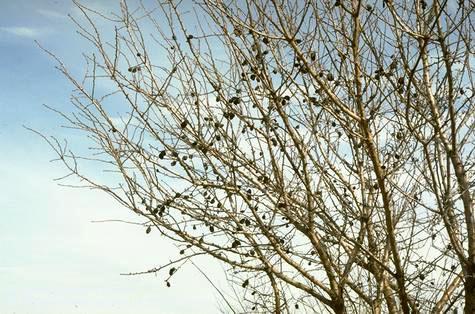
x,y
321,150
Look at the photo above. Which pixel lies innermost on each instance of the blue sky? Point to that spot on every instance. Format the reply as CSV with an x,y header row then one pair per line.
x,y
52,258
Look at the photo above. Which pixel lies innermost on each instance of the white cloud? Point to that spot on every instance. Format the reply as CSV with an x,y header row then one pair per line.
x,y
22,31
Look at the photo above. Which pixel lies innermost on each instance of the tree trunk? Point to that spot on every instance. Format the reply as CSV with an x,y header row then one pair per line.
x,y
470,287
339,307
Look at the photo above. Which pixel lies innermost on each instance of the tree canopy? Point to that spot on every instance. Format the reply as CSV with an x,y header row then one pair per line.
x,y
321,150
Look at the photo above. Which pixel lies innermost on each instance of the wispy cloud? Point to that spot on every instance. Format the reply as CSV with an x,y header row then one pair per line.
x,y
97,6
21,31
51,14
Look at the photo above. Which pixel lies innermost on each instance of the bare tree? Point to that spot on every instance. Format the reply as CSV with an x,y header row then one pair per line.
x,y
321,150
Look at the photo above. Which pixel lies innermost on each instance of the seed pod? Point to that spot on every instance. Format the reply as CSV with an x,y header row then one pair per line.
x,y
313,56
236,243
237,32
